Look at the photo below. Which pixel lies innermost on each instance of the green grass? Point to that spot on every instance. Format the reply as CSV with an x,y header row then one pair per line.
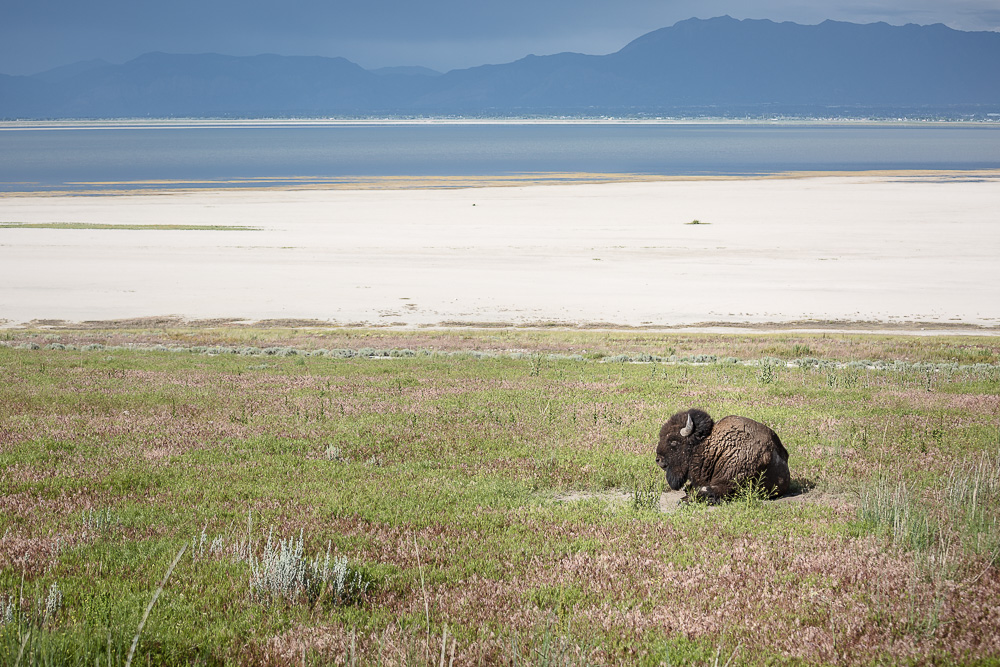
x,y
434,463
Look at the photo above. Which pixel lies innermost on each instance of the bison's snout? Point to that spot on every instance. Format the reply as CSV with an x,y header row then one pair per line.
x,y
662,462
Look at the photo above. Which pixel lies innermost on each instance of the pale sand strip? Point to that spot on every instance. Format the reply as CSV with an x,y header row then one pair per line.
x,y
471,181
885,248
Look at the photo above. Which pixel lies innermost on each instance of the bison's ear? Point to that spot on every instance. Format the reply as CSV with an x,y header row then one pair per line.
x,y
702,424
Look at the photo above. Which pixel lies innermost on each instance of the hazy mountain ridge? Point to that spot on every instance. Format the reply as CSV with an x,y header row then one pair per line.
x,y
721,64
411,70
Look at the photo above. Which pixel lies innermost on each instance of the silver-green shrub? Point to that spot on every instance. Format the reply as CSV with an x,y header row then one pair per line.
x,y
6,611
99,521
283,572
53,602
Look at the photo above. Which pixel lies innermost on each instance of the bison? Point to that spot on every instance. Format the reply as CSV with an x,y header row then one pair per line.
x,y
719,457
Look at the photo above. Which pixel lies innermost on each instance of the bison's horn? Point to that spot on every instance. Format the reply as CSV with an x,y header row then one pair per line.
x,y
689,429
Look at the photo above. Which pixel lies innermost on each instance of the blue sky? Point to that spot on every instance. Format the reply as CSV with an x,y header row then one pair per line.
x,y
442,34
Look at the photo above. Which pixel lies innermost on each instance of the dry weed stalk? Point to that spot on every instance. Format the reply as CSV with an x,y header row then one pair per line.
x,y
427,608
156,595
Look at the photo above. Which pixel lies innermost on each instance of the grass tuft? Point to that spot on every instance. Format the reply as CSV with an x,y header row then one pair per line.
x,y
646,492
893,510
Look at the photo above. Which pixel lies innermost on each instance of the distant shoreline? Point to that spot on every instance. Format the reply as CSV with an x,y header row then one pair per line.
x,y
803,327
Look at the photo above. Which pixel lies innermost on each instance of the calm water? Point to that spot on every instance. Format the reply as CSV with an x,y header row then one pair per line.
x,y
246,154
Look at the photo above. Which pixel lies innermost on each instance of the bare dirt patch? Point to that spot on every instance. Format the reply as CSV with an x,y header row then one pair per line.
x,y
670,501
615,498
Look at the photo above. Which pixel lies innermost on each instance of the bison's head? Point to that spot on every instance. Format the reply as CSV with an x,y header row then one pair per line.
x,y
678,438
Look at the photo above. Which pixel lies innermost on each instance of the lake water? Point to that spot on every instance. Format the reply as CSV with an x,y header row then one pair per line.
x,y
139,155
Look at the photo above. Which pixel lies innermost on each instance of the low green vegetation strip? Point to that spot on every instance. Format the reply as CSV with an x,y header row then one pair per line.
x,y
98,225
278,496
768,365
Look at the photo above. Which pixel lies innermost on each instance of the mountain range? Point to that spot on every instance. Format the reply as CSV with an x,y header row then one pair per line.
x,y
717,66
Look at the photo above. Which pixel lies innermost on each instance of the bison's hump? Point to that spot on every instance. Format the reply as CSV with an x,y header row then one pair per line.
x,y
748,428
743,443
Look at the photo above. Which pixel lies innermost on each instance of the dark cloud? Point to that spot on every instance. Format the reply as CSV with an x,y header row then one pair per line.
x,y
443,34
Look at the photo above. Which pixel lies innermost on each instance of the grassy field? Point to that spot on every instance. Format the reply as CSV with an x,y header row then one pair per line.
x,y
271,495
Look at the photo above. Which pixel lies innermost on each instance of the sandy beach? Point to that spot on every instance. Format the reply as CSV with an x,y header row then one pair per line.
x,y
883,249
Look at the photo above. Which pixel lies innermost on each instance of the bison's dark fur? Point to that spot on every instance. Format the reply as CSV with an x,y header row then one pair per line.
x,y
717,458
